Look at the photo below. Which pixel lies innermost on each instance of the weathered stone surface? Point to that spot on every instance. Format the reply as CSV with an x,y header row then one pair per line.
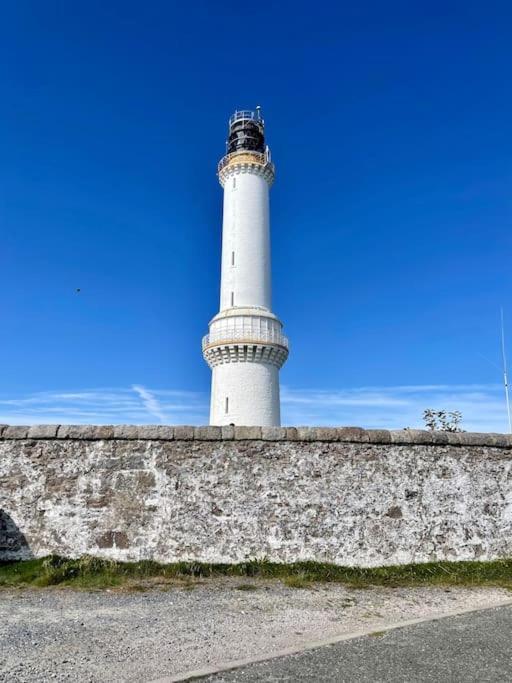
x,y
207,433
395,512
76,432
129,432
326,434
292,434
453,438
348,502
306,433
379,435
273,433
228,432
411,436
113,539
243,433
158,432
42,431
15,432
85,432
444,438
104,432
184,433
472,439
352,435
13,544
501,440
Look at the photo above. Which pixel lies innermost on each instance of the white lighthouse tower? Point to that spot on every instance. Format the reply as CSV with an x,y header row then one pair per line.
x,y
245,347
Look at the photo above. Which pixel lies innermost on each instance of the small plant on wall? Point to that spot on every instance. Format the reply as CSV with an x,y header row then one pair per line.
x,y
442,420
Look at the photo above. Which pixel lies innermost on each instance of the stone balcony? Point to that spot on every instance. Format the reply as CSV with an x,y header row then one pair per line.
x,y
223,337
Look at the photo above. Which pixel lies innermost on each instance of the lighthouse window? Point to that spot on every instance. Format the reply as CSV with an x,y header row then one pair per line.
x,y
227,404
234,183
232,298
232,258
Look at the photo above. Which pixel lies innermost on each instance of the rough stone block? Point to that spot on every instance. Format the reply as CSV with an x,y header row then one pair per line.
x,y
326,434
352,434
128,432
242,433
43,431
228,432
104,432
378,435
454,438
421,436
442,438
15,432
306,433
113,539
292,434
86,432
412,436
400,436
273,433
2,427
206,433
474,439
184,433
156,432
501,440
508,438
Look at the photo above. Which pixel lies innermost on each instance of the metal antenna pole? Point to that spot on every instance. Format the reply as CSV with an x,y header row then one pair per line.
x,y
505,378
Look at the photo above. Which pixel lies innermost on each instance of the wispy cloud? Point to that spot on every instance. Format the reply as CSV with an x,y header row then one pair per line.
x,y
150,402
482,406
134,405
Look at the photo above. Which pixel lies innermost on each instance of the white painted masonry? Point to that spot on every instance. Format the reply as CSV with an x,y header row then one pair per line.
x,y
245,347
241,383
222,494
246,236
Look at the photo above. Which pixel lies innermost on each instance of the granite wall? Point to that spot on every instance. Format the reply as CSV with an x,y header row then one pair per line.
x,y
348,496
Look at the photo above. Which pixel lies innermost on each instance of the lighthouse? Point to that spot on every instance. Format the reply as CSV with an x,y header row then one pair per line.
x,y
245,346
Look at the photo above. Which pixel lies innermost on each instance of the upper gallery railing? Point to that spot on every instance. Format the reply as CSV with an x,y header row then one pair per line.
x,y
245,115
262,158
246,337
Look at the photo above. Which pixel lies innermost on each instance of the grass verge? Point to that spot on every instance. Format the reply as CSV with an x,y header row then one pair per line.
x,y
94,573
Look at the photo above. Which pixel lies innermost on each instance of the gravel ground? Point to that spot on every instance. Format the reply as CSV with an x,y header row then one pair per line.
x,y
64,635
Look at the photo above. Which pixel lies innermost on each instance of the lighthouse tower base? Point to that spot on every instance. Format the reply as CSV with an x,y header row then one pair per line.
x,y
245,349
245,393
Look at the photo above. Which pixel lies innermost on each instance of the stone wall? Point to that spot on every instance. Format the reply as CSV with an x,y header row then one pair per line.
x,y
348,496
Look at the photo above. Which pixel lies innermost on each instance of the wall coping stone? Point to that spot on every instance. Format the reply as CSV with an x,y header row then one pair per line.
x,y
15,432
43,431
230,433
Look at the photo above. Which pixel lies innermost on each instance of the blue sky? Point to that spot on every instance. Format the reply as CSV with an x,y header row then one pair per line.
x,y
391,213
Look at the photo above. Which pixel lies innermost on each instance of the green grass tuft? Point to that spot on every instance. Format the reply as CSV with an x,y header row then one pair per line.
x,y
247,587
297,581
95,573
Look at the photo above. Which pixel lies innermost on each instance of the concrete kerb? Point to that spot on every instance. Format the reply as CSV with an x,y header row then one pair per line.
x,y
241,433
315,644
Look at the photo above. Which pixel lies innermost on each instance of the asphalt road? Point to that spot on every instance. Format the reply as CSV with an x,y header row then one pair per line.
x,y
470,647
